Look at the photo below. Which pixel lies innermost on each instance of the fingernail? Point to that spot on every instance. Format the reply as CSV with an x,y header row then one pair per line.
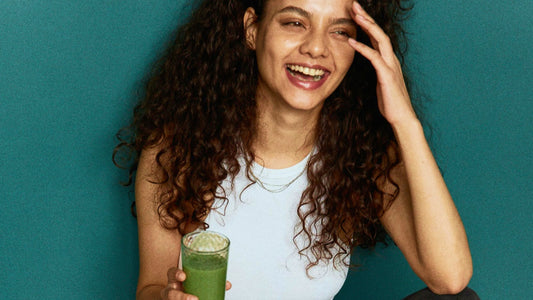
x,y
357,5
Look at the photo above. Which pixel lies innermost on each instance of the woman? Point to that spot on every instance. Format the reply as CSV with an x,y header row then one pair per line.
x,y
287,126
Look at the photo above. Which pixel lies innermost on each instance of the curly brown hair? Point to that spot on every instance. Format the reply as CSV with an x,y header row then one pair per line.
x,y
199,111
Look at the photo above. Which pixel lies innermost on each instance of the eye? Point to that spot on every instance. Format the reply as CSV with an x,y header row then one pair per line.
x,y
293,23
342,33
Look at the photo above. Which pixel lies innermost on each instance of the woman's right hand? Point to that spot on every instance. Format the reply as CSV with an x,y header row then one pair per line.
x,y
174,288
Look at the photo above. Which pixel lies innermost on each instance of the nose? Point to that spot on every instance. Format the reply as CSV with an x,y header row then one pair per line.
x,y
315,44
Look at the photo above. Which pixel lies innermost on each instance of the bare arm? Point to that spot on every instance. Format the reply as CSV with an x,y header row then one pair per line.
x,y
159,248
423,221
160,274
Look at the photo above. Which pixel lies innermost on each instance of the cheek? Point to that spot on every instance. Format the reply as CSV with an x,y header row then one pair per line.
x,y
345,56
280,45
276,50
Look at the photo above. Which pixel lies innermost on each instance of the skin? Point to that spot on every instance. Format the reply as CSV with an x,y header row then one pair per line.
x,y
304,33
423,221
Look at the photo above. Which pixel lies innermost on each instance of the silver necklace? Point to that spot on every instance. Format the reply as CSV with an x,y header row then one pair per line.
x,y
281,187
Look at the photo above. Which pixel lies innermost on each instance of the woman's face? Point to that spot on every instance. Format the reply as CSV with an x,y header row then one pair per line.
x,y
302,50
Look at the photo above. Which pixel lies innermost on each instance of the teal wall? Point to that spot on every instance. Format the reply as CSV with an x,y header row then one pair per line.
x,y
69,75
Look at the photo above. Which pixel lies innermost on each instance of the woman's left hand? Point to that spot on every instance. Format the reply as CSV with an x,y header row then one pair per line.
x,y
393,99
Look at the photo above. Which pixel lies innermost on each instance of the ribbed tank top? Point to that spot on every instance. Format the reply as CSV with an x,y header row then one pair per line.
x,y
264,262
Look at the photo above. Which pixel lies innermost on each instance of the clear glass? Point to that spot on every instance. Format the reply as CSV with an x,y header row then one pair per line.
x,y
204,258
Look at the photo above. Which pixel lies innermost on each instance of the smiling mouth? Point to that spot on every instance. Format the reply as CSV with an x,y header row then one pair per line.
x,y
306,73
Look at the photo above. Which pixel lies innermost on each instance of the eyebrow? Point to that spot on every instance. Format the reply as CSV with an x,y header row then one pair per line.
x,y
306,14
343,21
294,9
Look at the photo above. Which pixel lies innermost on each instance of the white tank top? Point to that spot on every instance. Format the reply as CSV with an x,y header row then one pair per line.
x,y
263,261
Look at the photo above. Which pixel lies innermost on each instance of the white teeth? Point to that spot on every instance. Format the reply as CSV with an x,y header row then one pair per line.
x,y
306,70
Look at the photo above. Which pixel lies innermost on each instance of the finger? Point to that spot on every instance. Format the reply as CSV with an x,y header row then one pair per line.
x,y
359,10
369,53
172,275
359,15
178,295
379,39
228,285
175,275
383,70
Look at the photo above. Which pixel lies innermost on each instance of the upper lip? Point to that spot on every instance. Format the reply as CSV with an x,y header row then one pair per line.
x,y
319,67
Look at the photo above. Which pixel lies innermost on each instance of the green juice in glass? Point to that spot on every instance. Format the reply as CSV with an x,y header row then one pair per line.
x,y
206,276
205,263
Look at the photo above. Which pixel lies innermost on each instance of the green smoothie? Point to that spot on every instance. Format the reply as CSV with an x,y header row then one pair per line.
x,y
206,276
205,261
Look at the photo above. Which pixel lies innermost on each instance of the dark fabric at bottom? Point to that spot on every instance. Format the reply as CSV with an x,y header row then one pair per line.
x,y
427,294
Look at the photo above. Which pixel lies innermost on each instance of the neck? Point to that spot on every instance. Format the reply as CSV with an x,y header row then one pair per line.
x,y
284,136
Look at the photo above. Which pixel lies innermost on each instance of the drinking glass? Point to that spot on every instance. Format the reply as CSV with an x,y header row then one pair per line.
x,y
205,261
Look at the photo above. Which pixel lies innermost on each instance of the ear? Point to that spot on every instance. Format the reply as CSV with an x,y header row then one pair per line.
x,y
250,27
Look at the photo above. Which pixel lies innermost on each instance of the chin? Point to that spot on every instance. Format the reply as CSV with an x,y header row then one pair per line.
x,y
307,105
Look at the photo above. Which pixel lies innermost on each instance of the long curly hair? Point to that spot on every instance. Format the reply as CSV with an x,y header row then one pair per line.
x,y
200,113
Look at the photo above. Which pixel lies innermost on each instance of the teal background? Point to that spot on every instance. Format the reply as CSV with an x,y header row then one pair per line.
x,y
70,72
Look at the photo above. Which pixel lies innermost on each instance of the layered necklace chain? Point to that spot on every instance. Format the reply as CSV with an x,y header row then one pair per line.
x,y
279,187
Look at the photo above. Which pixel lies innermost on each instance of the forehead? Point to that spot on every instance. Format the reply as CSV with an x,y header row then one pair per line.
x,y
335,8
